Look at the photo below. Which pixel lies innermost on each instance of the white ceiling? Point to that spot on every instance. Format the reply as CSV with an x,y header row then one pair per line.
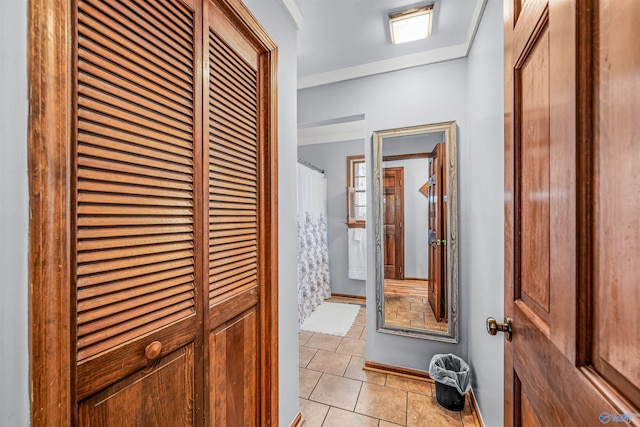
x,y
345,39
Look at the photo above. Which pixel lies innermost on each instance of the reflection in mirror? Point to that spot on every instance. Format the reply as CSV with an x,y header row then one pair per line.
x,y
415,211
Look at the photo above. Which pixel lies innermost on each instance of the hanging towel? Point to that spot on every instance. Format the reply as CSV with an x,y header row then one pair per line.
x,y
357,241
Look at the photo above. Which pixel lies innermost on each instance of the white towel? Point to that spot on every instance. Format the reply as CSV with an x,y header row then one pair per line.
x,y
357,241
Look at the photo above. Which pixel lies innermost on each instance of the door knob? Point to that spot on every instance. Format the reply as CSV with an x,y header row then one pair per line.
x,y
153,350
494,327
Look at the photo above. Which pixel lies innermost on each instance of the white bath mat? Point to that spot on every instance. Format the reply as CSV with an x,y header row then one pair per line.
x,y
331,318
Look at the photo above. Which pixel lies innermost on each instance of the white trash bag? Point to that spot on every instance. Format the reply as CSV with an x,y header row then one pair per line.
x,y
451,370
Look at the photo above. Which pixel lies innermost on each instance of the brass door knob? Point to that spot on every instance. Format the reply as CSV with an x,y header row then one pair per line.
x,y
494,327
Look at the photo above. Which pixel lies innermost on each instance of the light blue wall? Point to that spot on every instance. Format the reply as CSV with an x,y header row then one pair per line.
x,y
421,95
14,215
469,91
282,30
484,249
332,157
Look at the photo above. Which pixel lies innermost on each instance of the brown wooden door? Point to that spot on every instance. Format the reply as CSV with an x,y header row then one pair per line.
x,y
393,223
173,216
239,236
572,75
437,233
135,225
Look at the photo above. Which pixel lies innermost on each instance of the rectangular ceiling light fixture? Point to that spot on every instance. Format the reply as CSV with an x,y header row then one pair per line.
x,y
412,24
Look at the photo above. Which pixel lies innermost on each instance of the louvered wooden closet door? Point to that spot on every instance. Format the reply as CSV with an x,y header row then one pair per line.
x,y
136,183
234,232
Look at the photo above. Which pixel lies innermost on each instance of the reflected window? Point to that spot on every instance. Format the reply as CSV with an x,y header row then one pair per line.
x,y
356,191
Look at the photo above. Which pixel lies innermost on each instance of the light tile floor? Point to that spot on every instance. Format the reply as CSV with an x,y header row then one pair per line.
x,y
336,391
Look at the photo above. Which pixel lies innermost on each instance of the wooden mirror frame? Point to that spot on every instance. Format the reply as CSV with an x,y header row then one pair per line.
x,y
449,130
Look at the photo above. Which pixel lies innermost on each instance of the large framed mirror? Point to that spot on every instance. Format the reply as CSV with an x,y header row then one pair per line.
x,y
415,225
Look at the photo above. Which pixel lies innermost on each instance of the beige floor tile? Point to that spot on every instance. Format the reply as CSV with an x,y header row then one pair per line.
x,y
324,342
411,315
383,402
305,354
354,332
360,320
308,381
425,411
355,347
468,420
467,405
303,337
329,362
419,306
313,413
409,384
336,391
341,418
355,371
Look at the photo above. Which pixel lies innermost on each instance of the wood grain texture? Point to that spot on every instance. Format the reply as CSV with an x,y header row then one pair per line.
x,y
139,400
510,13
550,356
243,207
393,219
617,196
528,416
115,148
49,136
233,165
436,232
396,370
233,362
297,421
569,138
133,281
533,147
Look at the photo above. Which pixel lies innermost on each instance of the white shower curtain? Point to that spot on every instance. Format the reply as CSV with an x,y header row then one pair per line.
x,y
313,251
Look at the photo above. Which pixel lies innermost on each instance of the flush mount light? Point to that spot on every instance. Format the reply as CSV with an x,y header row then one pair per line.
x,y
412,24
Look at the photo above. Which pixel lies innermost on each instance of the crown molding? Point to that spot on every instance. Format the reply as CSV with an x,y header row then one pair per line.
x,y
475,23
334,132
399,62
294,12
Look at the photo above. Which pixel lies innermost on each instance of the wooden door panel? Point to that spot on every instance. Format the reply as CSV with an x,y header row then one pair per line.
x,y
617,241
127,359
154,174
533,152
528,417
233,154
393,220
162,394
235,234
233,362
437,232
389,232
570,212
134,186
